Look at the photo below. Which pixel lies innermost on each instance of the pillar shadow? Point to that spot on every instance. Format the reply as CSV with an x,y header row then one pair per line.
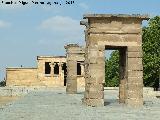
x,y
80,93
111,102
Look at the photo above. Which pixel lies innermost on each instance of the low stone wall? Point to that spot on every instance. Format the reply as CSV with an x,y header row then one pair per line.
x,y
21,91
149,92
21,77
14,91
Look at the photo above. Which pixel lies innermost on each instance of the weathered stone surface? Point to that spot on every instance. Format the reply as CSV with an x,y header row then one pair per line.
x,y
136,80
135,73
122,91
94,87
134,48
92,80
134,54
135,64
116,38
21,76
74,55
94,95
134,103
122,32
135,94
94,102
134,86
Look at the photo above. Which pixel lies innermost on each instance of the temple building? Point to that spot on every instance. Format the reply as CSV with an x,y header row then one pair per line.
x,y
51,71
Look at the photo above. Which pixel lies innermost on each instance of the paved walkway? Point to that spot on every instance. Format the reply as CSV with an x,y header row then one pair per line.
x,y
56,105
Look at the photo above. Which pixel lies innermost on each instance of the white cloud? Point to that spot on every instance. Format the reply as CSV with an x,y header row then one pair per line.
x,y
4,24
63,29
84,5
61,24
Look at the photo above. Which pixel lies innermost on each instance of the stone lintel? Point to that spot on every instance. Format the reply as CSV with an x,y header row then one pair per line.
x,y
137,16
71,45
74,49
41,57
18,68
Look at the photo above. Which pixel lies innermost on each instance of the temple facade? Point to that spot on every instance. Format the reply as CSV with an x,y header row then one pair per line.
x,y
51,71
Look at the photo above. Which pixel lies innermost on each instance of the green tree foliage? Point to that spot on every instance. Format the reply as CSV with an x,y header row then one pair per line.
x,y
112,70
151,52
2,83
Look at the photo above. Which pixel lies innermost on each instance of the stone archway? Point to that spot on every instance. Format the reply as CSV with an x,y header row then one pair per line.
x,y
105,31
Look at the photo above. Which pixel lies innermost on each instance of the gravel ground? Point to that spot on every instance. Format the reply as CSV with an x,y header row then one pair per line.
x,y
5,100
57,105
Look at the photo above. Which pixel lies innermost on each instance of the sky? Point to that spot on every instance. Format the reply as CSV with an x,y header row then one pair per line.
x,y
30,30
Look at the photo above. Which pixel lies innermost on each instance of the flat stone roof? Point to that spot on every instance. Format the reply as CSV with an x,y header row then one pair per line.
x,y
51,56
21,68
144,17
71,45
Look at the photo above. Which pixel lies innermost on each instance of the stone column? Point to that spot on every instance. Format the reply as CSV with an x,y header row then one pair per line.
x,y
122,75
134,94
52,69
82,68
60,68
61,77
94,75
71,53
71,77
74,53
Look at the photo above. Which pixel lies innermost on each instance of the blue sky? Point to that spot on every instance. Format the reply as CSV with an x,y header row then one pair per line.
x,y
32,30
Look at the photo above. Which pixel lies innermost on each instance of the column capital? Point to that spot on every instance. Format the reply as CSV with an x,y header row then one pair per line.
x,y
52,64
82,63
60,64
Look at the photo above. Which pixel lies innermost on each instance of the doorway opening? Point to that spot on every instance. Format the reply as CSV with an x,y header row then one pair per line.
x,y
78,68
56,69
64,68
115,74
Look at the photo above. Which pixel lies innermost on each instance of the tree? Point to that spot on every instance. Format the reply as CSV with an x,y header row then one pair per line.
x,y
112,70
151,52
2,83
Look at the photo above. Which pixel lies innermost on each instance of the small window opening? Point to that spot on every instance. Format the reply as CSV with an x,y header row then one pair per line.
x,y
47,68
56,69
64,67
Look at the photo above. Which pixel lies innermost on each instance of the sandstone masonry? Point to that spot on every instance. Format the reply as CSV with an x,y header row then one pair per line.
x,y
75,58
121,32
51,71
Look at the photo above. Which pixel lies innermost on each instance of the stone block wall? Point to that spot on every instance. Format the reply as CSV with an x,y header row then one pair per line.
x,y
21,77
121,32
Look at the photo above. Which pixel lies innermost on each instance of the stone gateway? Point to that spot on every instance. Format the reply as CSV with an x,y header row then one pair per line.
x,y
121,32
